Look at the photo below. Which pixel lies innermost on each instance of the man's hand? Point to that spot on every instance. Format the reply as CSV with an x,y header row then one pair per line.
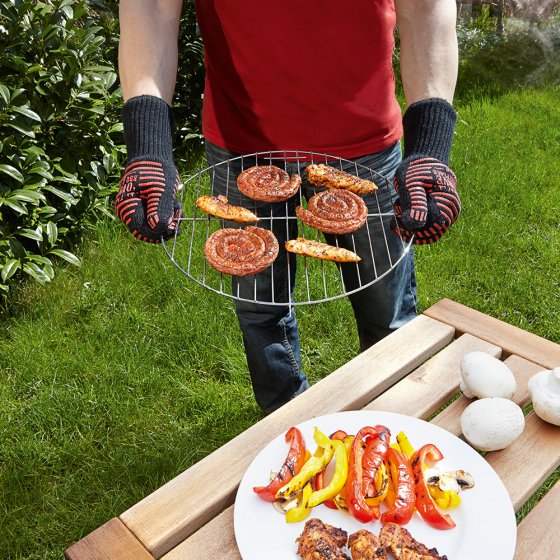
x,y
428,202
146,202
428,199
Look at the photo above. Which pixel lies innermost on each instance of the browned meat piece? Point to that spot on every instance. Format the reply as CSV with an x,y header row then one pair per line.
x,y
334,212
218,206
320,541
323,175
403,546
364,545
318,250
241,252
268,183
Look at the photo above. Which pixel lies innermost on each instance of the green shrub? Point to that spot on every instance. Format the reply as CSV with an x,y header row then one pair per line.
x,y
58,133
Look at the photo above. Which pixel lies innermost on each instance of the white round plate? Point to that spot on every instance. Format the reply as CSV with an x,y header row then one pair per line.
x,y
486,526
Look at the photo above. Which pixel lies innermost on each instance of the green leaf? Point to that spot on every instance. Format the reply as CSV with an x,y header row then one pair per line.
x,y
5,93
67,256
9,269
67,197
14,205
36,272
30,233
21,128
12,172
27,195
27,113
52,232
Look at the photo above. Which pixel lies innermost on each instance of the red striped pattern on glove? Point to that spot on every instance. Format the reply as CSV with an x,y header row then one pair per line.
x,y
146,202
428,202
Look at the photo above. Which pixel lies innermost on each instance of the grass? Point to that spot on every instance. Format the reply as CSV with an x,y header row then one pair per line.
x,y
120,374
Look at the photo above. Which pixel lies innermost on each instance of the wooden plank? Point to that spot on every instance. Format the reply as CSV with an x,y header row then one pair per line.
x,y
433,384
215,540
512,340
111,541
529,460
523,370
170,514
537,534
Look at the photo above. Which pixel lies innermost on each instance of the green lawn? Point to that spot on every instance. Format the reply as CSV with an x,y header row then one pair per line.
x,y
118,375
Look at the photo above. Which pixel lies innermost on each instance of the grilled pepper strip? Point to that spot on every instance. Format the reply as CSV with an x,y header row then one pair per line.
x,y
338,480
320,478
401,502
292,465
312,466
355,498
301,511
425,504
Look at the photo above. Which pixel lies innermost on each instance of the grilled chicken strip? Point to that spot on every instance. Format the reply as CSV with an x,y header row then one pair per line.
x,y
322,175
403,546
218,206
320,541
318,250
364,545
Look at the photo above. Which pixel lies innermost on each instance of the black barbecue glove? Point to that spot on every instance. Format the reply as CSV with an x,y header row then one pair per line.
x,y
146,202
428,202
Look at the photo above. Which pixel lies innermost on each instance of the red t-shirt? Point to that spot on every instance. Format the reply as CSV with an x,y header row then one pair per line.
x,y
299,74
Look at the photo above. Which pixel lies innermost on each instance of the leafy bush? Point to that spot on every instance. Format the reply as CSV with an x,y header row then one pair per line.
x,y
60,134
58,137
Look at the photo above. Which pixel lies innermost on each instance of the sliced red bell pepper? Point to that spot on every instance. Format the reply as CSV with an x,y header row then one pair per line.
x,y
375,454
425,504
357,505
292,465
402,500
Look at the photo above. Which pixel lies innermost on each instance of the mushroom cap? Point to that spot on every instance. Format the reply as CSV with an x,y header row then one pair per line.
x,y
544,389
483,376
492,423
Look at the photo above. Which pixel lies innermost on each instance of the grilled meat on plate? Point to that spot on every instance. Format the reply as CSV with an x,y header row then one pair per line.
x,y
403,546
364,545
320,541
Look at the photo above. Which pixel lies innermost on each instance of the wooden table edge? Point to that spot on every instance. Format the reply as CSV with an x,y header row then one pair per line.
x,y
512,339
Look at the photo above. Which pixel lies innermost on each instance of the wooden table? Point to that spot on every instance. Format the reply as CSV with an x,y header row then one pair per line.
x,y
414,371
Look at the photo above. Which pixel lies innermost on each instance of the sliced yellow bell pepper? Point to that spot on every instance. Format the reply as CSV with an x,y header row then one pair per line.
x,y
445,499
404,444
312,466
381,484
339,477
302,510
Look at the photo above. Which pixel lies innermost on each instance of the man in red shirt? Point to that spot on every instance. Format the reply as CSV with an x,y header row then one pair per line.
x,y
311,76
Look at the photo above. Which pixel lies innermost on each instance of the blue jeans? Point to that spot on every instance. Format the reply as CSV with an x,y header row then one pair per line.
x,y
270,332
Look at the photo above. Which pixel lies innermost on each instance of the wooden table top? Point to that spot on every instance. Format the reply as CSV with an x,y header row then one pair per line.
x,y
414,371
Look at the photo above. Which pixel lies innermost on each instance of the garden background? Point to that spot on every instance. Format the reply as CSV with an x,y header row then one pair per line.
x,y
115,374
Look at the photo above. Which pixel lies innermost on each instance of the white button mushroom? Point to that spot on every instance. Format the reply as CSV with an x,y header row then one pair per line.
x,y
482,376
492,423
544,388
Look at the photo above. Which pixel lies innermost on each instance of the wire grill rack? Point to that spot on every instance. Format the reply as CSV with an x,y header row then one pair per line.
x,y
315,280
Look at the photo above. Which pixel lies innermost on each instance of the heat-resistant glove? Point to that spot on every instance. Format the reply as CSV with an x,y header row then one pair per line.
x,y
428,201
146,202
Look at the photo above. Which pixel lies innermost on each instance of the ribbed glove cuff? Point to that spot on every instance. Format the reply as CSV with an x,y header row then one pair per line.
x,y
428,129
148,127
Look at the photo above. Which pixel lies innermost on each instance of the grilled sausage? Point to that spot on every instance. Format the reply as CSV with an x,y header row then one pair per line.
x,y
334,212
268,183
241,252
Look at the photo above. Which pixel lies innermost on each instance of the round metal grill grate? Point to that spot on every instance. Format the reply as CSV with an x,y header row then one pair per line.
x,y
315,280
